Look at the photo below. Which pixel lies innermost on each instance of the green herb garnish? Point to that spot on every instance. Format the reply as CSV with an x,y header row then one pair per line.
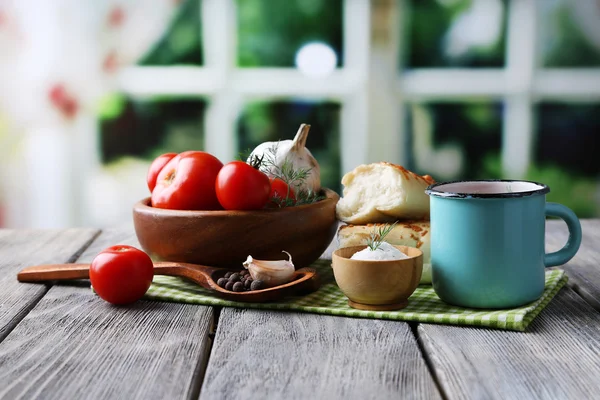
x,y
244,154
292,176
378,234
302,197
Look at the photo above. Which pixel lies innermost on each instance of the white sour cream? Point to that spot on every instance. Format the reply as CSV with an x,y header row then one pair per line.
x,y
384,252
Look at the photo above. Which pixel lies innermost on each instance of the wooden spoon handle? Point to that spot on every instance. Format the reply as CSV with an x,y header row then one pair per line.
x,y
61,272
54,272
194,272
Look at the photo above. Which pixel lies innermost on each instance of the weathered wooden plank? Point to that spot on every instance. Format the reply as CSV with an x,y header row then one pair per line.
x,y
558,358
124,234
74,345
267,354
584,269
20,248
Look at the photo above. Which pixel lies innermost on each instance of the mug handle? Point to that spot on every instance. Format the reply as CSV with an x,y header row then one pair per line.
x,y
568,251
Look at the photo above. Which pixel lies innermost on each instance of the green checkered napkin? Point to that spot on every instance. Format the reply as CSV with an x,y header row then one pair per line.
x,y
423,305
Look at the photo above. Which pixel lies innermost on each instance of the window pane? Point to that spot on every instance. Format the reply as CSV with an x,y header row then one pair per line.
x,y
456,141
146,129
132,134
570,31
272,121
270,33
182,43
566,155
456,33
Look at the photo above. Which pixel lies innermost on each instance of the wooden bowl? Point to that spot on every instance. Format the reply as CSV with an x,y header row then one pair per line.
x,y
226,238
377,285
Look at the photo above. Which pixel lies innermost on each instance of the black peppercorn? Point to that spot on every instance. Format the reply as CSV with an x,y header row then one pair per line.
x,y
234,277
222,282
256,285
229,285
238,287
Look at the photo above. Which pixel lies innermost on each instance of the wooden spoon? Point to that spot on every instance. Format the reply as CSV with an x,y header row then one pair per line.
x,y
304,280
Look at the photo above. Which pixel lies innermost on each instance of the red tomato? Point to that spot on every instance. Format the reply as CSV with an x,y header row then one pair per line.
x,y
158,164
121,274
187,182
239,186
280,192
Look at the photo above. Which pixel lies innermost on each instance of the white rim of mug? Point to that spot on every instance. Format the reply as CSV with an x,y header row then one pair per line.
x,y
432,191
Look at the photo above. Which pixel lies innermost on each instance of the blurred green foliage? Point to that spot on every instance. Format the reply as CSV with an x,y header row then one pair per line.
x,y
149,128
568,136
270,32
564,154
111,106
182,44
427,25
566,45
476,128
578,192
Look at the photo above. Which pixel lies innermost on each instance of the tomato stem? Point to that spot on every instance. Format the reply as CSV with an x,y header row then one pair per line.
x,y
170,176
256,162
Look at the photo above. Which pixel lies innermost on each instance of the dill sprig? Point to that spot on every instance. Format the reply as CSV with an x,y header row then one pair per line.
x,y
244,154
302,197
291,175
378,234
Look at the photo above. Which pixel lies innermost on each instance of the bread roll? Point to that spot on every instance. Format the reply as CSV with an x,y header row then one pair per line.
x,y
383,192
414,234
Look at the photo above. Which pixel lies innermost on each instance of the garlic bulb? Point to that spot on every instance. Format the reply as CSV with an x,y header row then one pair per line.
x,y
272,273
291,161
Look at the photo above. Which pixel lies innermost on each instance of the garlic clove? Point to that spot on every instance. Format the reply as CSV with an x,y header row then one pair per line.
x,y
271,273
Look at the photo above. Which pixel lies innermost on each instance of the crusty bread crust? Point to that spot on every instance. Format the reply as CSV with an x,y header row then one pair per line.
x,y
427,179
383,192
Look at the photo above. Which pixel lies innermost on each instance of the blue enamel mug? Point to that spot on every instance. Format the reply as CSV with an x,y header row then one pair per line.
x,y
488,241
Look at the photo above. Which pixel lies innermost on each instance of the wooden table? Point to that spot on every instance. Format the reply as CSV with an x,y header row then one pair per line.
x,y
62,342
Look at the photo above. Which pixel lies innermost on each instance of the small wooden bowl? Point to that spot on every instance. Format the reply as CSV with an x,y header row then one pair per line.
x,y
377,285
226,238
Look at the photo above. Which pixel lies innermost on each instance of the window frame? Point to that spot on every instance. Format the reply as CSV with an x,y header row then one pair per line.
x,y
372,111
